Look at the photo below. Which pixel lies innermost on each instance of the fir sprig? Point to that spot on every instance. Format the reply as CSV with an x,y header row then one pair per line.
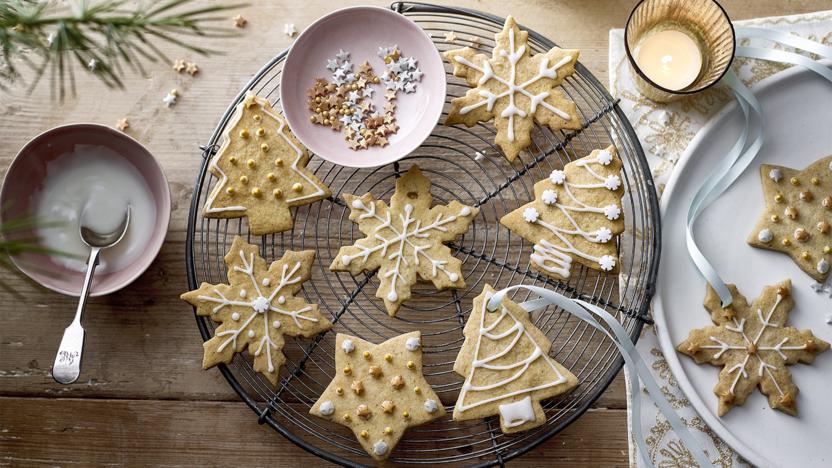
x,y
101,37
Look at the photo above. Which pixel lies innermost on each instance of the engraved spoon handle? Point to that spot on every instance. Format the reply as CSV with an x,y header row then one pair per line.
x,y
67,366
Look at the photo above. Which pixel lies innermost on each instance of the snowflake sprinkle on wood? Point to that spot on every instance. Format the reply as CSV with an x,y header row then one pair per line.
x,y
514,88
405,239
753,345
257,308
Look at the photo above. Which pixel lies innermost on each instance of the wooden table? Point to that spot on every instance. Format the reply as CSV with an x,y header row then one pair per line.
x,y
143,397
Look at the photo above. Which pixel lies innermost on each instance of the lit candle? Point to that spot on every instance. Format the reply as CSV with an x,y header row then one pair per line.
x,y
670,58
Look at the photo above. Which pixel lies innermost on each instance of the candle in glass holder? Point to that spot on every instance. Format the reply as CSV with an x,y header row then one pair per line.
x,y
670,58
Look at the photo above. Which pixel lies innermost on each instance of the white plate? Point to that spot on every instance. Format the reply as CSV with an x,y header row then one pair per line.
x,y
798,109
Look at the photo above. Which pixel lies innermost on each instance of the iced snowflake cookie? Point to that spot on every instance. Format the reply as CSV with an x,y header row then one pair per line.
x,y
257,308
798,216
575,216
261,169
753,345
379,391
405,239
514,88
506,366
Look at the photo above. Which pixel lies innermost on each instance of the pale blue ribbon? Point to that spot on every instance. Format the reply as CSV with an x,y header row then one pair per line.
x,y
740,156
639,373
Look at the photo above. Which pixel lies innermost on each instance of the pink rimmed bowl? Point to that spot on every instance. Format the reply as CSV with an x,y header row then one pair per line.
x,y
24,181
361,31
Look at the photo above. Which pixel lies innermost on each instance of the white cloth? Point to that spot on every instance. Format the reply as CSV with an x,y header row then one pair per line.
x,y
665,131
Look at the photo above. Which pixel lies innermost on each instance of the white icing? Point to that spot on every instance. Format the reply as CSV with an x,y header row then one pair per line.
x,y
281,299
775,175
276,324
514,333
604,157
612,182
830,165
823,266
549,258
612,212
557,177
465,211
243,293
512,87
348,346
235,316
517,413
603,235
260,305
327,408
251,333
531,215
380,448
266,282
607,262
412,343
549,197
431,406
765,236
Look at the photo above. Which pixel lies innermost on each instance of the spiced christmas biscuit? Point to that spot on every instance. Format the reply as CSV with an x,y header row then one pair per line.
x,y
261,169
753,345
575,217
514,88
506,366
405,239
378,391
798,215
257,308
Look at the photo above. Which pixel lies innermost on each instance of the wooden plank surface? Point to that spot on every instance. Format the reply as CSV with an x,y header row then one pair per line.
x,y
142,397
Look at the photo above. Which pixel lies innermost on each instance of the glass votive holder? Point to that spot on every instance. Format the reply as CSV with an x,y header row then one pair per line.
x,y
678,47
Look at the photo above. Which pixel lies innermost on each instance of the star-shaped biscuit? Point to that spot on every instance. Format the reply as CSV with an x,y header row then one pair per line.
x,y
753,345
261,169
405,240
798,216
378,391
575,216
257,308
514,88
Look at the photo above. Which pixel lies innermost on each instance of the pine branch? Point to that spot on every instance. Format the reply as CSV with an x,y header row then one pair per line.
x,y
99,37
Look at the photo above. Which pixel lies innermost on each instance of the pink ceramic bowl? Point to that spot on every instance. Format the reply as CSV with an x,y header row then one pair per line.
x,y
361,31
24,180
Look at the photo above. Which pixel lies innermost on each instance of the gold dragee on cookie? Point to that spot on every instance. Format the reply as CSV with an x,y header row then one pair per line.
x,y
378,391
798,215
753,345
575,217
514,89
261,169
257,308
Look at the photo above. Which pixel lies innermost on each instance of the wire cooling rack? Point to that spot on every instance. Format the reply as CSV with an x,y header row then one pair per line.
x,y
463,164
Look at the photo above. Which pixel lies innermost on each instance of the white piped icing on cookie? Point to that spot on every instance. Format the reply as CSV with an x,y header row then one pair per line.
x,y
380,448
412,344
235,316
327,408
823,266
531,215
348,346
765,236
607,262
604,158
775,175
549,197
603,235
612,212
431,406
557,177
612,182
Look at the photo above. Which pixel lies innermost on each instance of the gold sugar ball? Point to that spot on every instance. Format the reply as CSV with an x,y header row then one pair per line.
x,y
794,181
230,191
364,434
257,117
814,181
339,391
778,198
417,390
278,162
277,193
251,163
318,99
297,187
347,417
827,249
256,192
243,133
271,177
243,180
388,430
264,147
786,241
775,218
261,131
406,414
326,122
312,118
367,355
411,364
348,370
388,357
232,160
318,110
376,80
805,255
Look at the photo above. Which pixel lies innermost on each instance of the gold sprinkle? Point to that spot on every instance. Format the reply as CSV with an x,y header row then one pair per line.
x,y
375,371
318,99
775,218
778,198
230,191
312,118
388,357
794,181
257,117
417,390
264,147
348,370
367,355
783,291
347,417
318,110
827,249
397,382
388,430
326,122
406,414
357,387
786,241
277,193
297,187
278,162
243,133
271,176
232,160
339,391
261,131
256,192
814,181
365,434
805,255
411,364
251,163
243,180
388,406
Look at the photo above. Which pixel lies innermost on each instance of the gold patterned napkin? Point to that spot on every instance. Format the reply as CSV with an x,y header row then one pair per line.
x,y
665,131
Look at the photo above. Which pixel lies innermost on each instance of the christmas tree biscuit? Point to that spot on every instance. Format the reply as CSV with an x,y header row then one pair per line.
x,y
798,216
261,169
379,391
257,308
575,217
506,366
514,88
405,239
753,345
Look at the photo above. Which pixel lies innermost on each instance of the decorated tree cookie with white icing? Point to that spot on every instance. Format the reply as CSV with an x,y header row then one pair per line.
x,y
575,217
507,369
405,240
514,88
753,345
257,308
378,391
797,219
261,169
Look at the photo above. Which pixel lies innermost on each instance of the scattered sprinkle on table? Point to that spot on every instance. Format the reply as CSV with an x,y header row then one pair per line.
x,y
240,22
178,65
450,36
191,68
289,29
170,98
123,124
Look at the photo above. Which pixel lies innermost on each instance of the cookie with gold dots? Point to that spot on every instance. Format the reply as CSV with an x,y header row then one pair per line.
x,y
798,215
379,391
261,168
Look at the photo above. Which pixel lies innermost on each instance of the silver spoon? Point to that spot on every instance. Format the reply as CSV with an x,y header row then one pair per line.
x,y
67,365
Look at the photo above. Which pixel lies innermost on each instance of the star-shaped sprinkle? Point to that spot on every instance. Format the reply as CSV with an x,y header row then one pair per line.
x,y
753,345
239,21
169,99
450,37
797,219
342,56
178,65
191,68
405,240
289,29
123,124
92,65
514,89
379,391
257,308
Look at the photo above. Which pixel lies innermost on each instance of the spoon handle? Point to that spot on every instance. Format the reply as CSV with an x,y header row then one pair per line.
x,y
67,366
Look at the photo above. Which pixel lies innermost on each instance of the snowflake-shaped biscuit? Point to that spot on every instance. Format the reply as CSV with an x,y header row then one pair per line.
x,y
575,216
257,308
261,169
378,391
514,88
753,345
405,239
